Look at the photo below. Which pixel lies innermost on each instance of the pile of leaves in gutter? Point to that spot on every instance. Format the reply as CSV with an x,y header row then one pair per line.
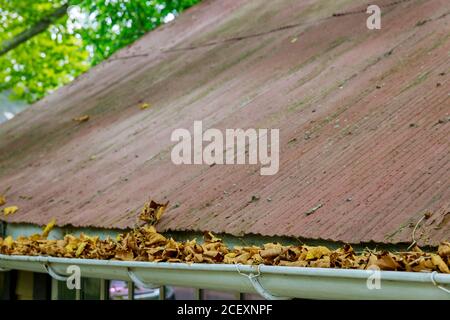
x,y
144,243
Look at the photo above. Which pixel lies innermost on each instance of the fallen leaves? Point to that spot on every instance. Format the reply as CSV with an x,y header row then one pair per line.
x,y
317,252
82,118
10,210
144,243
438,262
444,249
8,242
386,261
152,212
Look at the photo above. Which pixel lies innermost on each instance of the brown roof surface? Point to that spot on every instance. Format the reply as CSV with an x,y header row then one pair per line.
x,y
358,112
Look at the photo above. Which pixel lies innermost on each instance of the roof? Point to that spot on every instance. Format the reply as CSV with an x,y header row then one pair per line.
x,y
363,118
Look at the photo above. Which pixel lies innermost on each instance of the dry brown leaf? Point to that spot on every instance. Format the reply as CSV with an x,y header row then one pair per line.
x,y
444,249
82,118
209,237
317,252
386,262
321,263
438,262
152,211
242,258
155,238
271,253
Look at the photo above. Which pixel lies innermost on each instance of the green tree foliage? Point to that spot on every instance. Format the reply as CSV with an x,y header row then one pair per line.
x,y
88,33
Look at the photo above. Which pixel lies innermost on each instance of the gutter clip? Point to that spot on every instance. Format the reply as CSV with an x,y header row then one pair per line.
x,y
138,282
433,275
258,286
53,273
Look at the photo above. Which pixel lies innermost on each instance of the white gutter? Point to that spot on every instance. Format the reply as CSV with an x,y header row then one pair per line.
x,y
270,281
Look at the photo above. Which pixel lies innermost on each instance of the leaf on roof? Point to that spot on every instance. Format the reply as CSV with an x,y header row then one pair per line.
x,y
152,212
10,210
82,118
2,200
144,106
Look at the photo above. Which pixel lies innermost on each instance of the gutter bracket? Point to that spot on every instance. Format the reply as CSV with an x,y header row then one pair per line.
x,y
138,282
433,280
52,273
258,286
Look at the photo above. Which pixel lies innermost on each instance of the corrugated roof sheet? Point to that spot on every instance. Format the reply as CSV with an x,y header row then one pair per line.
x,y
358,110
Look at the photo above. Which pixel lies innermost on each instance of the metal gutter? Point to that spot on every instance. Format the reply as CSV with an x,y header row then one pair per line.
x,y
272,281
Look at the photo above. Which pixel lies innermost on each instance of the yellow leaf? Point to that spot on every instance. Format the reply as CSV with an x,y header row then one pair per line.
x,y
2,200
35,237
209,237
10,210
70,247
80,249
159,212
321,263
82,118
144,106
444,249
438,262
317,252
48,227
150,229
155,238
8,241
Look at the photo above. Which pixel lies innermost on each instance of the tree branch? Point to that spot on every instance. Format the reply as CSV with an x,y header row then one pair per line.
x,y
39,27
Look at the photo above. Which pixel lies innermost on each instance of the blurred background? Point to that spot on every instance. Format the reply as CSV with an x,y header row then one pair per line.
x,y
45,44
